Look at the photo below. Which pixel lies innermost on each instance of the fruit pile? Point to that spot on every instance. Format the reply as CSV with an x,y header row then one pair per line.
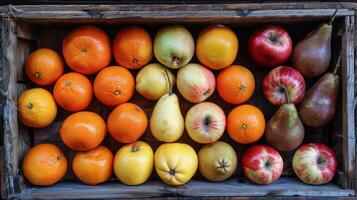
x,y
87,51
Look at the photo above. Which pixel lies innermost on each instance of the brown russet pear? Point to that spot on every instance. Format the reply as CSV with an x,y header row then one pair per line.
x,y
312,55
319,104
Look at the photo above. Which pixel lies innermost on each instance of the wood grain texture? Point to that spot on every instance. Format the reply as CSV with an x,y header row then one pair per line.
x,y
9,88
217,13
348,83
194,188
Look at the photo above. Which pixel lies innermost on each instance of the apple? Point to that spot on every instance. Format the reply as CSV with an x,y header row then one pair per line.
x,y
314,163
174,46
205,122
262,164
283,82
270,46
195,82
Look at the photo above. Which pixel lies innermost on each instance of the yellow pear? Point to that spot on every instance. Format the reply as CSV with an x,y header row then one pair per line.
x,y
175,163
166,122
151,81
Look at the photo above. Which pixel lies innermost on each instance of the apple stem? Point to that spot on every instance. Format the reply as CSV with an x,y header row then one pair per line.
x,y
338,64
287,95
168,80
333,16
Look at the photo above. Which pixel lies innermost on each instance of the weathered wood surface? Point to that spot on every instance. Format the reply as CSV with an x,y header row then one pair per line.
x,y
194,188
348,83
238,13
9,90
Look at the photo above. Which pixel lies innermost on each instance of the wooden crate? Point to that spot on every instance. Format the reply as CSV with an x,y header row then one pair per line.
x,y
25,28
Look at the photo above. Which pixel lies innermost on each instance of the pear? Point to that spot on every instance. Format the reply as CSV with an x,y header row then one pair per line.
x,y
312,55
174,46
151,81
285,131
319,104
166,122
217,161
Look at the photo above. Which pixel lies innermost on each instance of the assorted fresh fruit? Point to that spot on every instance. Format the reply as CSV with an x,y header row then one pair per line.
x,y
87,50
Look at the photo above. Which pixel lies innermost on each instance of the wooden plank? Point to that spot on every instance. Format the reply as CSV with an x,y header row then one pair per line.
x,y
348,93
9,88
151,13
194,188
189,7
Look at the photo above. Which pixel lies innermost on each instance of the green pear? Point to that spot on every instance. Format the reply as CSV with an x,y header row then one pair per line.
x,y
217,161
174,46
166,122
151,81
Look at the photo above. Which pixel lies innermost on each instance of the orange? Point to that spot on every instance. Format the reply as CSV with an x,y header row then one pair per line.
x,y
235,84
44,66
127,123
132,47
44,164
73,92
37,108
86,49
217,46
93,167
245,124
114,85
83,131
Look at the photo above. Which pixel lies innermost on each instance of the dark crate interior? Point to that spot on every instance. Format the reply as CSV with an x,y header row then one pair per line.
x,y
50,35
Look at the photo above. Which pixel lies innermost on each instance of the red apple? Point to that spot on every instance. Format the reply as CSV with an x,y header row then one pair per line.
x,y
315,163
270,46
205,122
262,164
281,82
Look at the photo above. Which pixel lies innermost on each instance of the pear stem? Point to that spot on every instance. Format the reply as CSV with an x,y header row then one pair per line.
x,y
287,95
333,16
338,64
168,80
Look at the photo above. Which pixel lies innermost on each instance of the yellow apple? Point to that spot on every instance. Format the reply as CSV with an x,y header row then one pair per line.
x,y
133,163
175,163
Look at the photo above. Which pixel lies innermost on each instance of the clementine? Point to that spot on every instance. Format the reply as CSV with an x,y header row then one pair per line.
x,y
127,123
217,46
86,49
37,108
114,85
245,124
73,92
235,84
43,66
83,131
132,47
44,164
93,167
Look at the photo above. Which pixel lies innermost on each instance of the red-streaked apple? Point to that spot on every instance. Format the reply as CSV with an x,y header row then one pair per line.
x,y
195,82
281,82
315,163
262,164
205,122
270,46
